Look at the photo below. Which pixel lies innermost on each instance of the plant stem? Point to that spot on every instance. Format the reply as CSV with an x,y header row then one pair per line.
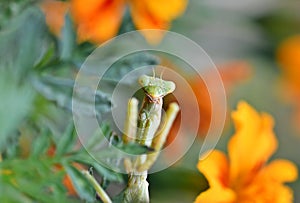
x,y
99,190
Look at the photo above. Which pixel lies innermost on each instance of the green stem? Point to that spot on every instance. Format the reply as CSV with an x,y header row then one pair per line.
x,y
101,193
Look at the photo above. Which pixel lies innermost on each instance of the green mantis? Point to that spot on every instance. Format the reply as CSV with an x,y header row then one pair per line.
x,y
147,129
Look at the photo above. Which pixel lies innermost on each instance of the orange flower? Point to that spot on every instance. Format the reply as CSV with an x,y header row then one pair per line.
x,y
244,176
155,14
99,20
55,12
288,56
231,73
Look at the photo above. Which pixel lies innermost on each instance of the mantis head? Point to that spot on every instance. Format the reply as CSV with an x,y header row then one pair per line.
x,y
156,87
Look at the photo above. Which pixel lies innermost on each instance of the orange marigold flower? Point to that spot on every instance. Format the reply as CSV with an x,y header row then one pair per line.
x,y
55,12
99,20
155,14
96,20
288,57
231,74
244,176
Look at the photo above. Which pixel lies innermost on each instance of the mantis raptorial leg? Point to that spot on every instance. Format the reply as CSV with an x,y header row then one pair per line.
x,y
143,128
131,121
146,133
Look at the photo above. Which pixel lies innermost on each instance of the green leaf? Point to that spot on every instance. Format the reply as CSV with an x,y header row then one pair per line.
x,y
85,158
96,138
134,148
107,173
16,104
47,58
41,143
32,180
68,42
128,63
9,194
127,24
81,184
60,90
67,140
54,89
24,41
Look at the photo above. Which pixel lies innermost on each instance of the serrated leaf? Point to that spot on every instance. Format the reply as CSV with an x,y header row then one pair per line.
x,y
107,173
25,41
41,144
54,89
25,185
83,99
125,65
68,41
95,140
60,90
34,178
46,58
67,140
127,24
85,158
81,184
16,103
9,194
134,148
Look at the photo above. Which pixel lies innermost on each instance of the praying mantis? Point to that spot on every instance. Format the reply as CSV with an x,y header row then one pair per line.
x,y
146,128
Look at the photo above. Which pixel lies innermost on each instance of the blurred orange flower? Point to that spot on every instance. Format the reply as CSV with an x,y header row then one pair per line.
x,y
288,57
245,175
99,20
231,74
55,12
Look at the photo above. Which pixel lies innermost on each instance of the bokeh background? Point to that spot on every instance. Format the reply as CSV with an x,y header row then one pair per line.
x,y
255,44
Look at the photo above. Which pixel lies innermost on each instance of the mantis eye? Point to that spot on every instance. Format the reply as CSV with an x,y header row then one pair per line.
x,y
144,80
169,87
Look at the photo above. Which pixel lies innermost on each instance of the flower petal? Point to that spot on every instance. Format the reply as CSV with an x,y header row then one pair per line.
x,y
98,21
144,19
216,195
55,12
283,195
84,10
265,191
215,168
288,53
166,10
253,143
281,170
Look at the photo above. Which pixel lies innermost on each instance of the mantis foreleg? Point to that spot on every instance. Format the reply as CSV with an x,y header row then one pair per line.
x,y
148,122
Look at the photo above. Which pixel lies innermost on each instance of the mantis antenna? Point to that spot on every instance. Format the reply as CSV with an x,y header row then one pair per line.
x,y
153,72
161,73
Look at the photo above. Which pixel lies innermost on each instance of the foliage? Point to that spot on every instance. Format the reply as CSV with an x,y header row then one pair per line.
x,y
39,147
